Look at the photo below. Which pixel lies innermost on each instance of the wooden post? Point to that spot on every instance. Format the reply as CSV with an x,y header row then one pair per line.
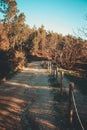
x,y
50,67
61,88
56,72
71,87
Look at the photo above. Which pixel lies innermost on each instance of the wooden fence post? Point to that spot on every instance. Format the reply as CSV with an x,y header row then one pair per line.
x,y
56,72
71,87
50,67
61,88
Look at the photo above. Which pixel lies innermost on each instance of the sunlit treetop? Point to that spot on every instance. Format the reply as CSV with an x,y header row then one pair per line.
x,y
9,9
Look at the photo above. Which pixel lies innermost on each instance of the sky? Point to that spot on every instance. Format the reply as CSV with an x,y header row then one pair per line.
x,y
61,16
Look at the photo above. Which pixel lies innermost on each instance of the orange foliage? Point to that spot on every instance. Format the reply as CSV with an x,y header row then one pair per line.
x,y
4,42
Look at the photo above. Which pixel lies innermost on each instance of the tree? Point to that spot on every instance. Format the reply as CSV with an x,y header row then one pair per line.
x,y
9,9
4,42
13,34
69,51
42,33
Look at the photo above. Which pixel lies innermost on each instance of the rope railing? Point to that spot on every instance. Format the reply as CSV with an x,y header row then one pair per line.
x,y
76,110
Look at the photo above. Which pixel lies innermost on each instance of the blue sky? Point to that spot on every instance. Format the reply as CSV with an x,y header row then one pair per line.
x,y
61,16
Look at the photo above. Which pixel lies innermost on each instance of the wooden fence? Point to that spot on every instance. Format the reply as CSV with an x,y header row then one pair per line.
x,y
54,70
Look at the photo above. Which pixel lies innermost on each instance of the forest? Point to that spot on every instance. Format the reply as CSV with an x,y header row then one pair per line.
x,y
19,43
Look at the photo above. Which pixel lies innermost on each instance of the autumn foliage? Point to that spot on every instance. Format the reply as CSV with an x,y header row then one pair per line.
x,y
18,41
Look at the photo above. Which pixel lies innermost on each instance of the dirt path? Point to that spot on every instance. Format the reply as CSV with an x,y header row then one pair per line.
x,y
26,94
29,102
